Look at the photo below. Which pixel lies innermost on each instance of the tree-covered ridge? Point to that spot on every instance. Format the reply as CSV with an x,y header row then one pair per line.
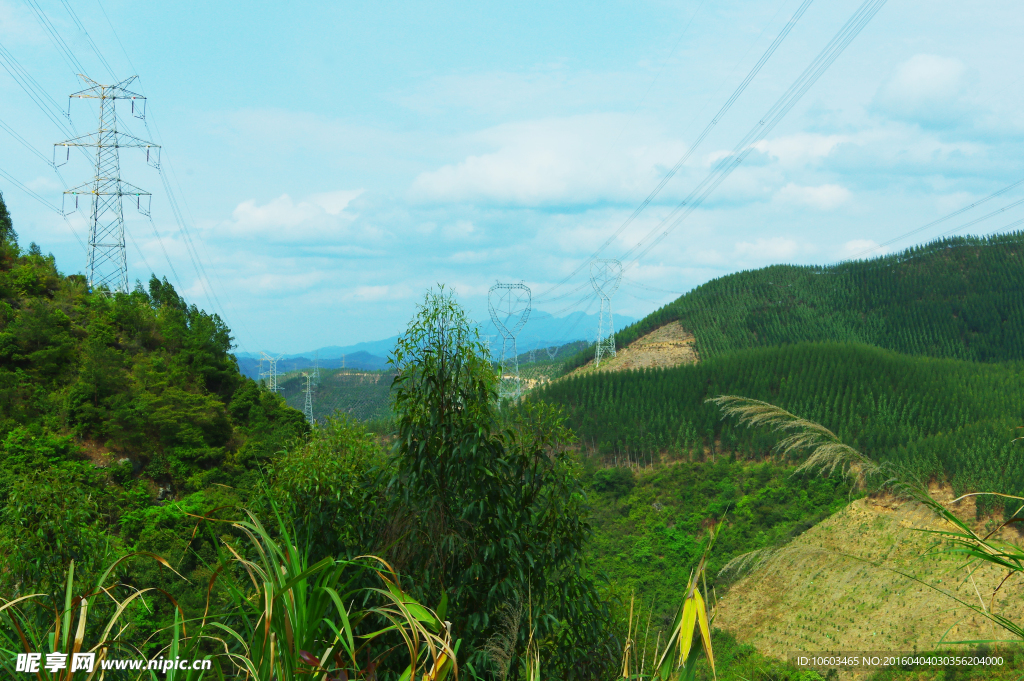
x,y
105,399
955,297
935,417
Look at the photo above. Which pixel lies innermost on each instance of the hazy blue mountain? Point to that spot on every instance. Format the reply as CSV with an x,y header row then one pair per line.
x,y
250,366
541,330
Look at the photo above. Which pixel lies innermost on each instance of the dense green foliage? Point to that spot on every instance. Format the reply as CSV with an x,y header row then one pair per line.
x,y
362,394
650,525
105,399
492,500
957,297
947,418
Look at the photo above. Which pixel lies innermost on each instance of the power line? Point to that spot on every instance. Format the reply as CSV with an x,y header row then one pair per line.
x,y
700,138
25,143
28,191
968,224
178,216
92,43
34,90
62,47
939,221
107,265
765,125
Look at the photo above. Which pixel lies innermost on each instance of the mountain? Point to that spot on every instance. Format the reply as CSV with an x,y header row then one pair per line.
x,y
956,297
541,331
914,359
361,359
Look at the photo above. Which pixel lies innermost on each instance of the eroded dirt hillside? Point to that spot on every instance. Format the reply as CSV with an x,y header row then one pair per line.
x,y
666,346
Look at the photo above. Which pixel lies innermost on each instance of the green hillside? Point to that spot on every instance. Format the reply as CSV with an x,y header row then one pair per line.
x,y
363,395
112,408
947,418
958,297
664,465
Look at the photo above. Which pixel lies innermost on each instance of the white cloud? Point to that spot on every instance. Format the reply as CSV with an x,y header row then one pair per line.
x,y
283,220
335,202
928,89
559,161
823,197
800,148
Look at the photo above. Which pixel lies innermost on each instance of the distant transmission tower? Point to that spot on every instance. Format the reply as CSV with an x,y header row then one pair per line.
x,y
605,276
107,265
271,373
308,408
316,369
509,305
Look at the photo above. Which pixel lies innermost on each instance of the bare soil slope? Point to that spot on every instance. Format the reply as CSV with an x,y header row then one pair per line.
x,y
667,346
822,593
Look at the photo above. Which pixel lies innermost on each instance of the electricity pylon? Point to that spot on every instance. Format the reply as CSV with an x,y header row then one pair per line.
x,y
271,374
509,305
308,408
316,369
552,354
605,276
107,265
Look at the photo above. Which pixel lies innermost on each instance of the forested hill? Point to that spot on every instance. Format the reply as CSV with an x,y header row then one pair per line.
x,y
947,419
957,297
104,400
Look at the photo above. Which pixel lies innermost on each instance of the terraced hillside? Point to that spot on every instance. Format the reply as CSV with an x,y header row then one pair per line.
x,y
867,578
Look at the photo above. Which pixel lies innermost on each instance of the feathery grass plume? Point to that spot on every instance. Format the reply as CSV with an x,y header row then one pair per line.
x,y
827,451
747,562
501,646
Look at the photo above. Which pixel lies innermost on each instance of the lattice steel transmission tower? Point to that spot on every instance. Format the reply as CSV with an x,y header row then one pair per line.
x,y
316,369
605,276
270,374
308,408
107,264
509,305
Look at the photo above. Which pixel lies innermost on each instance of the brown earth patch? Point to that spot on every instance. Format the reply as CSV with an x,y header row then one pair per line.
x,y
667,346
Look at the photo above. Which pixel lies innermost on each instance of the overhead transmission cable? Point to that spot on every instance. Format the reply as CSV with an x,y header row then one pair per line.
x,y
700,138
179,217
939,221
33,89
765,125
62,47
28,191
92,43
35,92
25,143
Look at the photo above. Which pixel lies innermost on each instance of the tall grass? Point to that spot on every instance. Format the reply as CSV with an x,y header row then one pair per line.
x,y
287,620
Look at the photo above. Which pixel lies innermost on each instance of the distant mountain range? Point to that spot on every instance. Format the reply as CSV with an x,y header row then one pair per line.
x,y
541,330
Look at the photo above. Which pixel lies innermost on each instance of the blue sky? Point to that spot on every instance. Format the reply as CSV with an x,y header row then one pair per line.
x,y
336,159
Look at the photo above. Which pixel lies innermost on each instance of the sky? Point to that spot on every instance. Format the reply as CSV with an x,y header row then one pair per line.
x,y
334,161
